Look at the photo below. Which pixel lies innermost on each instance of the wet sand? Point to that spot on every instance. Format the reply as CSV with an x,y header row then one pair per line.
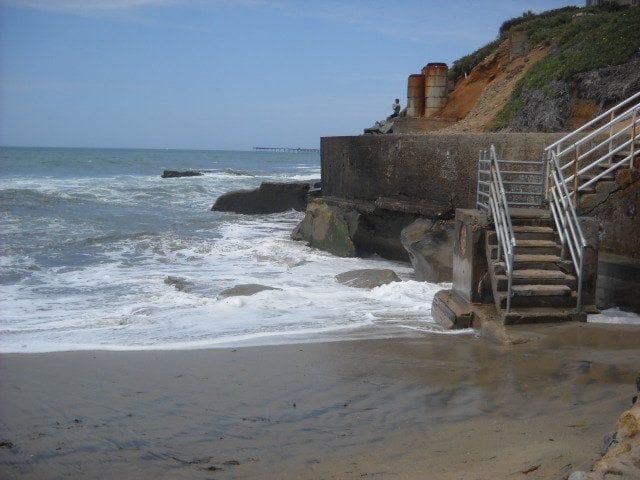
x,y
438,407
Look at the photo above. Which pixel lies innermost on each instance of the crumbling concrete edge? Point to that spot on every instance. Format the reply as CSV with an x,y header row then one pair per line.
x,y
453,312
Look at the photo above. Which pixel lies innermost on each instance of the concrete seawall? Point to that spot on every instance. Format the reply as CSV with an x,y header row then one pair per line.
x,y
441,168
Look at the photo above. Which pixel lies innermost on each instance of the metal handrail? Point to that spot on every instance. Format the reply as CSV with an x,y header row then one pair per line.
x,y
498,208
523,182
567,223
611,131
595,121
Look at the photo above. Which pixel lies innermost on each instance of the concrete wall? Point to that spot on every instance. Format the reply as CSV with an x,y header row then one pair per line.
x,y
430,167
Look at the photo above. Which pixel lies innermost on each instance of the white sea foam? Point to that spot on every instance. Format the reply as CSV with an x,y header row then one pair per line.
x,y
116,305
85,255
615,316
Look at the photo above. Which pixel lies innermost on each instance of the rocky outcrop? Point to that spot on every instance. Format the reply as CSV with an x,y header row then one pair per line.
x,y
430,247
177,174
180,283
622,457
367,278
617,206
351,228
329,228
268,198
244,290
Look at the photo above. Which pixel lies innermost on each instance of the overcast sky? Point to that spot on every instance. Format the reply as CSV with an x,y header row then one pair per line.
x,y
222,74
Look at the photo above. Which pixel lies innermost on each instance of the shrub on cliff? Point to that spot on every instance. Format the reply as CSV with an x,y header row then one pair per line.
x,y
581,44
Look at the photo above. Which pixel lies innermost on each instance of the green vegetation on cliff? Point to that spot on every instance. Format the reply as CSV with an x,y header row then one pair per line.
x,y
581,40
580,44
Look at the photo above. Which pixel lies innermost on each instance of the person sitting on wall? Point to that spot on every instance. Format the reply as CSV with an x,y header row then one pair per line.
x,y
396,108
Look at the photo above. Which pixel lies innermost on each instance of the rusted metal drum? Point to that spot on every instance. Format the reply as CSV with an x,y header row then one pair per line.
x,y
415,96
435,88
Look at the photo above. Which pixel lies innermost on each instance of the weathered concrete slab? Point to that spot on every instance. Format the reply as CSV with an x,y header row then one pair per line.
x,y
433,167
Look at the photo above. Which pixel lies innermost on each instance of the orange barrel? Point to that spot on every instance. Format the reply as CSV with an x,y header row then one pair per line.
x,y
435,88
415,96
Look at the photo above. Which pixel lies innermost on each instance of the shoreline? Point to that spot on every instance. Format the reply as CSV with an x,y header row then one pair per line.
x,y
434,407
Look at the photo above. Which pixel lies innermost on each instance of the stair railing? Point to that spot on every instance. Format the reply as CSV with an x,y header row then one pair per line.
x,y
567,222
492,198
602,145
598,144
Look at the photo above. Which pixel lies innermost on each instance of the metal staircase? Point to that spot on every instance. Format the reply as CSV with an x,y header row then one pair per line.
x,y
535,254
530,280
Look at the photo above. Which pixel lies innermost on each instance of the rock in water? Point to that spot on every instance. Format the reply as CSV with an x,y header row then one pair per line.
x,y
244,290
180,283
430,247
269,198
328,228
176,174
367,278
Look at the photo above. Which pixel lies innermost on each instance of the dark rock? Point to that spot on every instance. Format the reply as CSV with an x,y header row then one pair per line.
x,y
180,283
328,228
367,278
176,174
268,198
349,228
608,86
543,110
430,247
244,290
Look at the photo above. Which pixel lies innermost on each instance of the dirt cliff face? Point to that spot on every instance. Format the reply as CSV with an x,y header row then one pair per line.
x,y
477,99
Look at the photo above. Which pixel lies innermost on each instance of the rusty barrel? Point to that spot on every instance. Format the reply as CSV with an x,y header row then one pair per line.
x,y
435,87
415,95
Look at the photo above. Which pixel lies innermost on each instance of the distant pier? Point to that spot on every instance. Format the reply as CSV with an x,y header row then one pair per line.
x,y
286,149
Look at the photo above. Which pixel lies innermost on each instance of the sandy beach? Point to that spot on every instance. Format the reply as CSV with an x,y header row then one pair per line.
x,y
438,407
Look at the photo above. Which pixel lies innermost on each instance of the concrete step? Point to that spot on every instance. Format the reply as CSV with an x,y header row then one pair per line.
x,y
534,217
535,296
528,232
528,247
539,277
541,315
535,262
591,189
537,247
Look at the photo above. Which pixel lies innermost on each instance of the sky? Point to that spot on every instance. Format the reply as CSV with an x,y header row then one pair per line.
x,y
222,74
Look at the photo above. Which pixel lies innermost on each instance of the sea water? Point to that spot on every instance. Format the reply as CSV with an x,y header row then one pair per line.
x,y
92,241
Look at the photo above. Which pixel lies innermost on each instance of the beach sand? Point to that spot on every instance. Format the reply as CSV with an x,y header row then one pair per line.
x,y
437,407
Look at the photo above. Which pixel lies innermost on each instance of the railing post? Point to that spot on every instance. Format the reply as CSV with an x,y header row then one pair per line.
x,y
613,116
633,137
576,168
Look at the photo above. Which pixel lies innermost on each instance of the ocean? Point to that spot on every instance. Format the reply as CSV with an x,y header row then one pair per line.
x,y
90,238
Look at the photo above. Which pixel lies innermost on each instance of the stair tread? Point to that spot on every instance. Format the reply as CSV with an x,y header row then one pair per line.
x,y
538,273
531,257
541,290
536,314
531,229
536,243
529,213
